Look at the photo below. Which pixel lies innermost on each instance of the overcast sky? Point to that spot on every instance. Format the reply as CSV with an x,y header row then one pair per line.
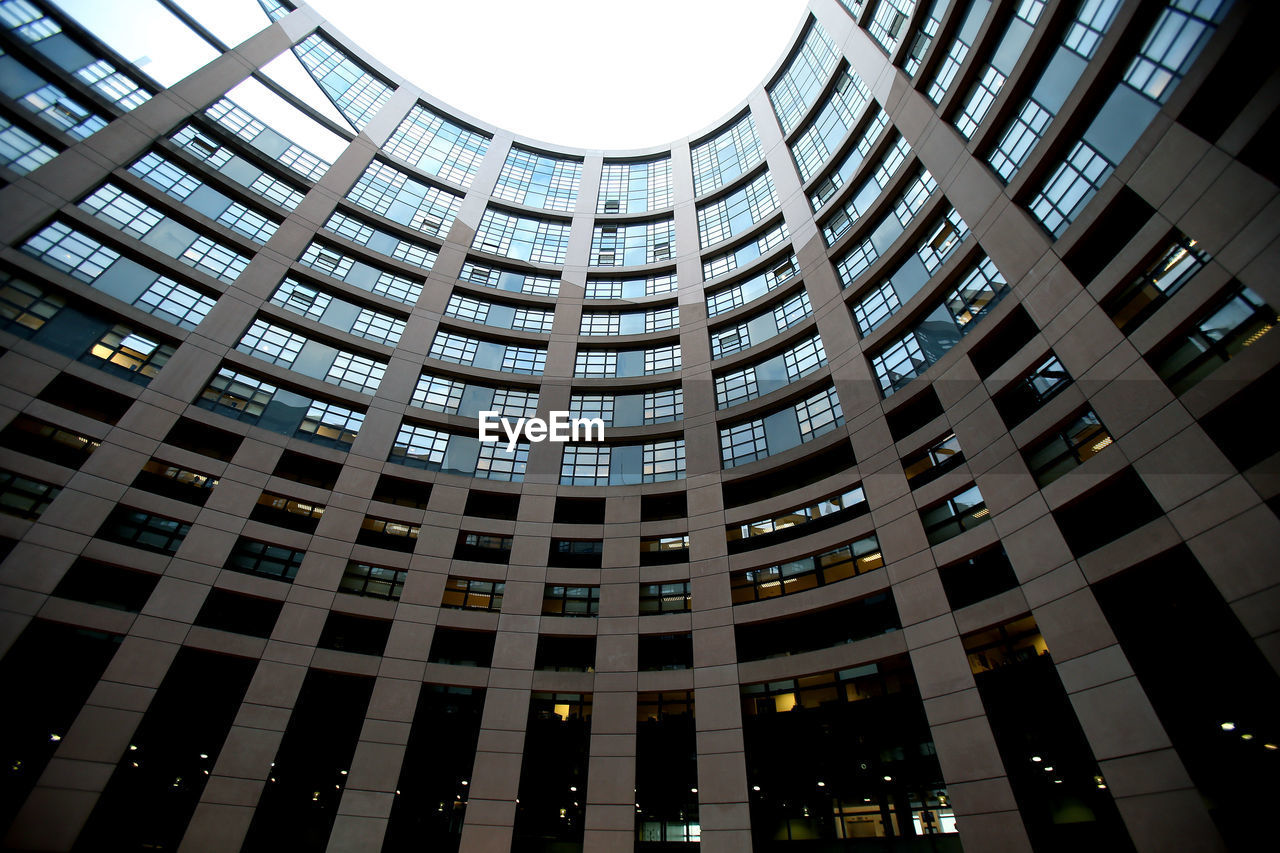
x,y
585,73
581,73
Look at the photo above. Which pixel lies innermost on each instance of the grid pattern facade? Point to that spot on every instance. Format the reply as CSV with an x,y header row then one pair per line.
x,y
239,617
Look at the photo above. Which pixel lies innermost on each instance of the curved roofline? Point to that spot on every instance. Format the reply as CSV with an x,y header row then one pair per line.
x,y
359,54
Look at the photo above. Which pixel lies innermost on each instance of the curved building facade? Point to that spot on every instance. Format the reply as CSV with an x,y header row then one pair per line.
x,y
935,506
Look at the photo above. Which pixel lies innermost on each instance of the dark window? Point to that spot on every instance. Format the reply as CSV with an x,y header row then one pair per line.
x,y
1022,398
832,460
919,411
473,594
34,726
1071,445
145,530
1003,342
571,600
665,651
1171,620
492,505
954,515
580,510
157,784
483,547
660,550
308,470
1134,302
799,521
566,654
935,460
977,578
93,401
673,597
203,439
262,558
812,780
553,773
462,648
1045,754
46,441
431,794
862,555
1219,334
847,623
385,533
239,614
344,632
1236,427
1119,223
583,553
174,482
106,585
300,799
1117,507
373,581
395,490
664,507
25,497
287,512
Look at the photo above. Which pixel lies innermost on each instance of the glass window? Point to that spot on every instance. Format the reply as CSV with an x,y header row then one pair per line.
x,y
373,581
1222,330
539,241
571,600
437,146
662,460
585,465
635,187
814,147
955,515
27,498
633,244
719,160
537,180
803,80
356,92
1072,444
472,594
389,192
731,215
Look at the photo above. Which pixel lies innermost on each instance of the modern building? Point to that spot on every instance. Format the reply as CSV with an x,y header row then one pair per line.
x,y
936,507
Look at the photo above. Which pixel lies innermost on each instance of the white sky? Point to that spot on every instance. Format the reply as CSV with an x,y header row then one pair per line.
x,y
581,73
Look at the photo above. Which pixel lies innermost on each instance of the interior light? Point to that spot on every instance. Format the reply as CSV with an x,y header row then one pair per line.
x,y
1057,781
1048,770
204,755
1106,442
1268,746
342,772
693,790
888,778
757,787
1246,736
822,784
573,787
55,738
465,782
1036,758
1228,727
132,748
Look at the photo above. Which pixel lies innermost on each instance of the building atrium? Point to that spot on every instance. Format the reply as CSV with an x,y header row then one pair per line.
x,y
936,502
